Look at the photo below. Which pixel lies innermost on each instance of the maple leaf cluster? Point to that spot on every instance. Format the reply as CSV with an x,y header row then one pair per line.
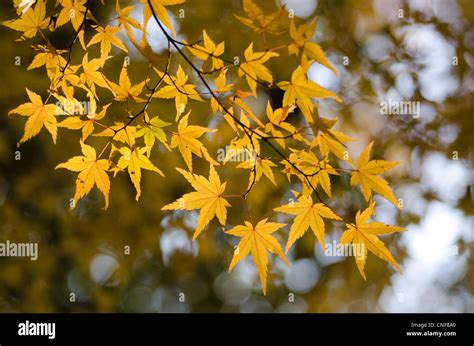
x,y
309,151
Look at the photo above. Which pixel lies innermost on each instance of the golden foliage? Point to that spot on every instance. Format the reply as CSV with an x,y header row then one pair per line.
x,y
291,140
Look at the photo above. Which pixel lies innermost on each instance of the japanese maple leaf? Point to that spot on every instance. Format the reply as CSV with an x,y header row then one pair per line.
x,y
330,140
208,197
50,58
246,145
85,123
221,87
124,90
151,130
77,7
120,133
300,91
30,21
261,167
92,171
39,115
159,9
186,139
135,160
177,89
366,174
107,37
308,214
363,237
210,50
302,37
246,113
124,19
277,124
91,75
144,47
317,170
260,22
257,240
253,67
68,81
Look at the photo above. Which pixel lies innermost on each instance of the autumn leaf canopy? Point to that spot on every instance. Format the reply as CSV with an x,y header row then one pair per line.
x,y
102,90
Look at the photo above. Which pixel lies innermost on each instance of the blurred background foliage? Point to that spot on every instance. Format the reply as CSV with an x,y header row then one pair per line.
x,y
387,57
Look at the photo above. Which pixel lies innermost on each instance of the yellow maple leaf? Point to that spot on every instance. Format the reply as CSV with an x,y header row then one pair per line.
x,y
257,240
261,167
363,237
91,172
308,214
277,124
208,197
120,133
278,115
124,90
72,11
30,21
107,37
300,91
186,139
124,19
302,36
151,131
160,10
67,79
91,75
366,175
244,145
50,58
246,112
258,21
330,140
39,115
221,87
253,67
177,89
144,47
317,170
210,50
85,123
135,160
